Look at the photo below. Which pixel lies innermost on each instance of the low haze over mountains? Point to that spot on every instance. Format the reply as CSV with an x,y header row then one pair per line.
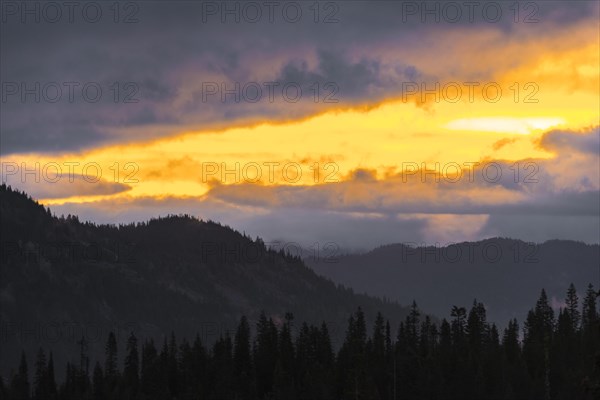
x,y
504,274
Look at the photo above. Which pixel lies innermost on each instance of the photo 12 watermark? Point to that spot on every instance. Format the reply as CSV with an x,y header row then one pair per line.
x,y
268,171
69,92
70,12
68,251
271,91
68,171
253,12
471,171
453,92
456,12
486,252
66,332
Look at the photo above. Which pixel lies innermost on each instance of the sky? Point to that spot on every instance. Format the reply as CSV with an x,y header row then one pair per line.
x,y
357,123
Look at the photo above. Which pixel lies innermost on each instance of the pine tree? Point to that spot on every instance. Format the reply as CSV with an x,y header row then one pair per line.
x,y
111,371
544,314
163,362
510,342
131,370
81,375
447,358
458,324
412,325
491,362
242,362
539,328
376,350
314,363
590,313
199,367
172,366
514,372
50,379
353,378
19,387
305,359
222,374
186,370
3,390
286,345
389,361
284,384
265,354
192,369
590,325
110,361
572,307
324,349
151,383
71,388
40,383
476,327
98,382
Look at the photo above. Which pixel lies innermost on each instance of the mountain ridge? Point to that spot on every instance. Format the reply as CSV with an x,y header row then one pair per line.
x,y
503,273
62,278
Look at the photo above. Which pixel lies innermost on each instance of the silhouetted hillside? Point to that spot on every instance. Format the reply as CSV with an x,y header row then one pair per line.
x,y
61,279
502,273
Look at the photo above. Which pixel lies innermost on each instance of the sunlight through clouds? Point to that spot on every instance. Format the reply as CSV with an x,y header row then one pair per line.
x,y
510,125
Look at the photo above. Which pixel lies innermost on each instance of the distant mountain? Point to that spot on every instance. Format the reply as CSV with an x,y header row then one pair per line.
x,y
505,274
61,279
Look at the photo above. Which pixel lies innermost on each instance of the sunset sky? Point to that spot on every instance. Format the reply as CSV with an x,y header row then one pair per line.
x,y
505,140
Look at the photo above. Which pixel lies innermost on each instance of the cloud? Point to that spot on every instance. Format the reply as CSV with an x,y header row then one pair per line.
x,y
584,142
347,230
503,142
368,54
575,165
418,193
302,227
63,186
466,202
541,227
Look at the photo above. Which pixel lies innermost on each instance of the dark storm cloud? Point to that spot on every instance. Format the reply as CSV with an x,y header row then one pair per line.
x,y
356,80
169,51
42,131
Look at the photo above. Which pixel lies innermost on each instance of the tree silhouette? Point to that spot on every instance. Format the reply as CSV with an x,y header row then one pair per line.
x,y
465,358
